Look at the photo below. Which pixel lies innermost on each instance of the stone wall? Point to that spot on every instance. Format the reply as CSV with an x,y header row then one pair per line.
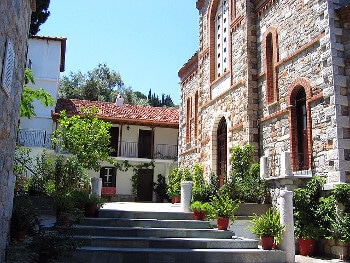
x,y
14,21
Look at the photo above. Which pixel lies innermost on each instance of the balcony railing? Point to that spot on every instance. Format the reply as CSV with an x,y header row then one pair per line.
x,y
40,138
34,138
161,151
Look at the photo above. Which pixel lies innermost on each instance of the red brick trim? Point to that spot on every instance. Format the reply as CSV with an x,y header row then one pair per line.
x,y
234,86
189,67
205,140
188,151
233,9
274,115
259,9
199,4
270,62
293,89
236,23
236,126
301,49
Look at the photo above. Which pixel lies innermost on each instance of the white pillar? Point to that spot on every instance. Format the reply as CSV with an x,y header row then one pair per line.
x,y
286,212
263,167
286,167
186,195
96,186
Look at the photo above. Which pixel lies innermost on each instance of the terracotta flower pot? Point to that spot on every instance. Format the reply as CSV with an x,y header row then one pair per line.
x,y
266,242
91,210
20,235
222,223
306,246
159,199
198,215
175,199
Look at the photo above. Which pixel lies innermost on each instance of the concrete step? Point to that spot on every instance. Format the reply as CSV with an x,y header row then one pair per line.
x,y
178,243
111,213
153,223
149,232
151,255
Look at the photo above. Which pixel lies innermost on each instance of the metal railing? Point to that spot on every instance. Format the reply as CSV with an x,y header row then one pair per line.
x,y
161,151
40,138
34,138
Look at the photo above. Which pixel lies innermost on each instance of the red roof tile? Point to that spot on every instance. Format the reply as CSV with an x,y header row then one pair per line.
x,y
127,114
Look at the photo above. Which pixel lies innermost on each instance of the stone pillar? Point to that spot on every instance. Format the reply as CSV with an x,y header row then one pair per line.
x,y
263,167
186,195
286,167
287,238
96,186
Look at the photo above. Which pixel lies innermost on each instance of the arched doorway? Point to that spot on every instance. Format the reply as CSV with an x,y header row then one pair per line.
x,y
222,151
301,130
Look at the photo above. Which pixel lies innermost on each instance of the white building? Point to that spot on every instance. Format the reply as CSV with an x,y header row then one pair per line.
x,y
46,58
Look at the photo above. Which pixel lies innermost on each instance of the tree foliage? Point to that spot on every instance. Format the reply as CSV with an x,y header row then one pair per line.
x,y
86,137
39,16
154,100
29,95
99,84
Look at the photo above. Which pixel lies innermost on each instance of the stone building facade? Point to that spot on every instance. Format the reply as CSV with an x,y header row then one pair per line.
x,y
274,74
14,21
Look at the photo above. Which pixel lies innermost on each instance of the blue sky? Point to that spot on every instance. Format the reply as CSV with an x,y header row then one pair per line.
x,y
147,42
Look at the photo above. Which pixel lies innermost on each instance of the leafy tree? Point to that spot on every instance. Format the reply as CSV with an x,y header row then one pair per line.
x,y
86,137
39,16
100,84
29,95
245,183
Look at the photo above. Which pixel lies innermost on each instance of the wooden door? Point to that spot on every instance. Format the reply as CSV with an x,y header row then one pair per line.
x,y
145,184
114,132
145,144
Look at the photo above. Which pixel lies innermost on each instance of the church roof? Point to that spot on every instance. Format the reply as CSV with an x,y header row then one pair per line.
x,y
125,114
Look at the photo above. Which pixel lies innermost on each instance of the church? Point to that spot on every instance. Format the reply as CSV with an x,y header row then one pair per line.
x,y
274,74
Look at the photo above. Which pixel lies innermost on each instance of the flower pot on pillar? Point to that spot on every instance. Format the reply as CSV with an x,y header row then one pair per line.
x,y
267,242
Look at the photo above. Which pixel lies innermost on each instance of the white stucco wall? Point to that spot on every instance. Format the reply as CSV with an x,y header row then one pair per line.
x,y
44,58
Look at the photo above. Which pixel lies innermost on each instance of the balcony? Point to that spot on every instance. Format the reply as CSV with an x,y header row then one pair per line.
x,y
34,138
40,138
161,151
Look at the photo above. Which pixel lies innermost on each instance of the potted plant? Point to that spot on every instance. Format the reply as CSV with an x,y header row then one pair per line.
x,y
88,203
25,218
223,210
200,210
174,185
64,205
51,245
308,223
160,188
267,227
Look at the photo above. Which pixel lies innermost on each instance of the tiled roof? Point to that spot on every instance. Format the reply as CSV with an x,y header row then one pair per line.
x,y
125,114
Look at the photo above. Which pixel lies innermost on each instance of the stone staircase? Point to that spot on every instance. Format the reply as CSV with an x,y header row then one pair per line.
x,y
161,237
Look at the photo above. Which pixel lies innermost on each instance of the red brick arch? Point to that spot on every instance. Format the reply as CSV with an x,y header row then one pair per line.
x,y
293,90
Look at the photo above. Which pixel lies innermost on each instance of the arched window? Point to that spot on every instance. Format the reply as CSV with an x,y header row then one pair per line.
x,y
301,130
300,123
188,119
222,151
271,59
196,115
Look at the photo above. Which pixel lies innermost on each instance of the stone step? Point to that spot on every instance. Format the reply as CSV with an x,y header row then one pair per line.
x,y
149,232
156,255
153,223
110,213
184,243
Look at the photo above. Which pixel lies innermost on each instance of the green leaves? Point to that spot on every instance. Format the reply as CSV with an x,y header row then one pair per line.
x,y
86,137
29,95
267,224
